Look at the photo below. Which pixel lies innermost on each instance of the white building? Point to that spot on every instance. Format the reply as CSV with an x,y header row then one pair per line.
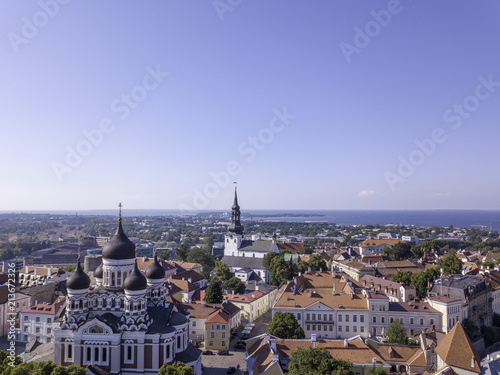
x,y
38,321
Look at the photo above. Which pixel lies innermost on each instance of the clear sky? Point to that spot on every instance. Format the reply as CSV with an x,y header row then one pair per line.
x,y
306,104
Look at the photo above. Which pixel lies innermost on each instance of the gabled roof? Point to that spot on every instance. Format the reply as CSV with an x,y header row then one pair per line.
x,y
456,350
219,316
45,308
189,274
262,246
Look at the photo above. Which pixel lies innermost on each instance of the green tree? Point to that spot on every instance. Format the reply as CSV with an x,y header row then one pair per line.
x,y
397,333
222,272
307,250
234,284
164,255
176,368
266,261
378,370
182,251
403,277
281,271
301,266
450,264
213,293
420,282
316,262
399,251
285,326
489,265
203,257
317,361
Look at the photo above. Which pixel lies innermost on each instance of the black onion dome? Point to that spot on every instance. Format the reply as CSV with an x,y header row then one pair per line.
x,y
79,279
98,272
119,247
155,270
135,280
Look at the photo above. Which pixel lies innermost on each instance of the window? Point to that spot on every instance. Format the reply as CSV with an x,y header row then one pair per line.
x,y
223,343
362,318
331,328
314,317
298,316
340,318
89,354
104,355
308,327
411,321
49,331
223,335
49,320
308,317
355,318
25,318
391,319
212,335
347,318
69,351
330,317
37,319
324,316
374,319
96,354
218,326
383,319
362,329
194,323
421,321
178,342
223,326
319,327
211,343
432,321
319,317
347,328
340,328
37,330
355,329
314,327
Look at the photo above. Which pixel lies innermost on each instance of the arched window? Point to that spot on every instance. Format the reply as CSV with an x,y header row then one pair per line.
x,y
104,355
89,354
96,354
112,279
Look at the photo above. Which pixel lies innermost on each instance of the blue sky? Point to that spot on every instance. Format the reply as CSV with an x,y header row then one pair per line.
x,y
307,105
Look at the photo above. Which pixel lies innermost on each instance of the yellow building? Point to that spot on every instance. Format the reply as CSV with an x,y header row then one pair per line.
x,y
217,331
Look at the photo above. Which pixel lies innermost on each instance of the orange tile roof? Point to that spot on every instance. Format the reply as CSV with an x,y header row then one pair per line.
x,y
246,298
398,353
456,350
218,316
46,308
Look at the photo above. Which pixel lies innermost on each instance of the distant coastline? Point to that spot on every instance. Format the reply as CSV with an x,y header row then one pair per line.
x,y
418,218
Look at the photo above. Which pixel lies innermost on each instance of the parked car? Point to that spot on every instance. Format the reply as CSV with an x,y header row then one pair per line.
x,y
240,346
223,352
208,352
231,370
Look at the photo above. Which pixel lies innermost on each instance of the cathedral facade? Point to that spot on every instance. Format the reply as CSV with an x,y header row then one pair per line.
x,y
122,324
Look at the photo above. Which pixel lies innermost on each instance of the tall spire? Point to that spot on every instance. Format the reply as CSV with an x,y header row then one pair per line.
x,y
120,213
236,226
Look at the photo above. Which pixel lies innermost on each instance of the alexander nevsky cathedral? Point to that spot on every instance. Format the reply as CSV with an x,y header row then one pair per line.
x,y
122,324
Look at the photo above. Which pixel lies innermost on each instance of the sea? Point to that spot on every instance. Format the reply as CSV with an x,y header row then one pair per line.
x,y
481,219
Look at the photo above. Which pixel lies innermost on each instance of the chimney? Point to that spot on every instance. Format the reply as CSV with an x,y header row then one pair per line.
x,y
190,280
310,293
334,292
27,270
273,345
34,275
320,269
346,344
232,294
334,274
472,362
267,337
257,287
351,295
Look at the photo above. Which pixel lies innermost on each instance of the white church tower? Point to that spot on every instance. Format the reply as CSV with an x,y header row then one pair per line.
x,y
235,237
